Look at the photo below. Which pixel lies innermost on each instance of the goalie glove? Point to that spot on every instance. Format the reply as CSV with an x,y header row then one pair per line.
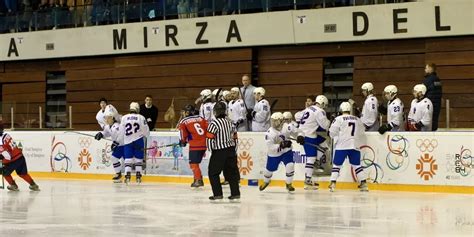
x,y
384,128
300,140
285,144
99,136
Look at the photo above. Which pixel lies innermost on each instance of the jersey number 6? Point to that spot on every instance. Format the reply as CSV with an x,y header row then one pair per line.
x,y
198,128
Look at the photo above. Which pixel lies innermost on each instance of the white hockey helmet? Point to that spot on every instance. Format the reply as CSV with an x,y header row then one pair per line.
x,y
277,120
259,90
109,113
214,92
322,101
367,86
287,116
390,92
420,88
345,107
225,93
134,107
235,89
206,94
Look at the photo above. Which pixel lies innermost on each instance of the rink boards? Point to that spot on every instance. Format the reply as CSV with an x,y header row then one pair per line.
x,y
424,161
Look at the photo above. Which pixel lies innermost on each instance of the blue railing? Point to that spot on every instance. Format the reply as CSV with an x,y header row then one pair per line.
x,y
44,16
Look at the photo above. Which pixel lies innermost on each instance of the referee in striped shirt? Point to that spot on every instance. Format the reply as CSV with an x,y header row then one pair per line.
x,y
221,139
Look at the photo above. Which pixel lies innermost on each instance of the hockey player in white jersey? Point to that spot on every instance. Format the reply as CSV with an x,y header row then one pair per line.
x,y
421,110
105,107
207,105
260,115
313,120
135,129
279,151
236,110
347,131
112,131
370,113
394,111
290,128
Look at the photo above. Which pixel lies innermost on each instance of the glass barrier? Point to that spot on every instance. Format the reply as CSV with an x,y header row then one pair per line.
x,y
28,115
102,12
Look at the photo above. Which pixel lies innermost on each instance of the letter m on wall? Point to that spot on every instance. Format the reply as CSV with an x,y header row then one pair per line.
x,y
120,40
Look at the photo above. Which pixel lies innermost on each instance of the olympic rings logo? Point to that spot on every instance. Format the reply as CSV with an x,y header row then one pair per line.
x,y
245,143
397,156
84,142
426,145
374,171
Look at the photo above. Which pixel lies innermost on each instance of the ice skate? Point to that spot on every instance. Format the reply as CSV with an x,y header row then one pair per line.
x,y
13,187
128,176
310,185
195,184
225,182
263,186
201,183
117,178
138,178
34,187
363,187
290,188
332,186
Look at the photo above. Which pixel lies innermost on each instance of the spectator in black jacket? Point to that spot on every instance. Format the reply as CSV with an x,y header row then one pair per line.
x,y
149,111
434,91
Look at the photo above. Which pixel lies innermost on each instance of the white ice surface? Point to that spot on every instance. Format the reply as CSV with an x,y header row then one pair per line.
x,y
100,208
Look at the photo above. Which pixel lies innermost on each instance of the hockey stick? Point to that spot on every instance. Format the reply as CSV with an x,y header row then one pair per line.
x,y
158,147
217,94
245,105
1,173
89,135
323,150
273,105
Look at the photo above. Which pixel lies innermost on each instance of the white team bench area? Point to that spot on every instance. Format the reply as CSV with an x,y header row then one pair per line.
x,y
403,161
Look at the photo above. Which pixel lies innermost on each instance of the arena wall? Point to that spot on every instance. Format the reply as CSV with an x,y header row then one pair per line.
x,y
423,161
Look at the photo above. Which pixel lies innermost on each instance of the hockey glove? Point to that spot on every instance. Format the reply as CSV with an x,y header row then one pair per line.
x,y
1,157
99,136
285,144
384,128
300,140
419,125
237,124
114,145
249,115
182,143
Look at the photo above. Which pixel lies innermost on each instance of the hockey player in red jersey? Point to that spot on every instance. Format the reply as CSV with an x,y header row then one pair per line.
x,y
13,160
192,129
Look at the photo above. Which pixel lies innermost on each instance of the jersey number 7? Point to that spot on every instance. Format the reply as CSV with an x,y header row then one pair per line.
x,y
353,128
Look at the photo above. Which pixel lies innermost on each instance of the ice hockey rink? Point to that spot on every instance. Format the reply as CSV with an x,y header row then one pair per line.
x,y
100,208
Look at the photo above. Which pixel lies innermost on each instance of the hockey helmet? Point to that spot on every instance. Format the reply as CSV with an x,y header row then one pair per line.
x,y
287,116
134,107
322,101
276,120
390,92
189,110
259,90
220,109
345,107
